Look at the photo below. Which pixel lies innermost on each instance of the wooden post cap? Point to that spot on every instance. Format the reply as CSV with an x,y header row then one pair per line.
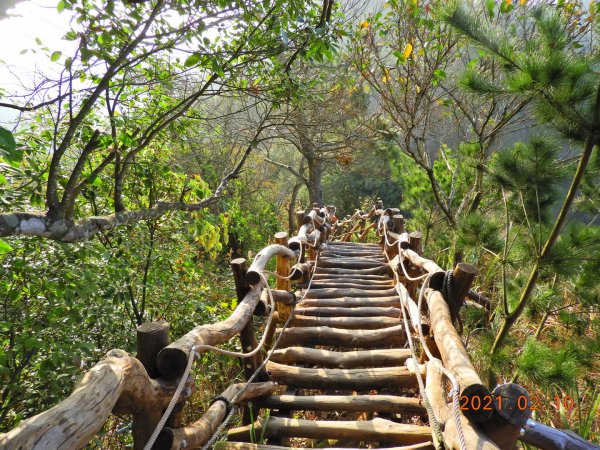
x,y
514,405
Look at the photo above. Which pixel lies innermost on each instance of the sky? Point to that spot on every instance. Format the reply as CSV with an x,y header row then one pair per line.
x,y
20,25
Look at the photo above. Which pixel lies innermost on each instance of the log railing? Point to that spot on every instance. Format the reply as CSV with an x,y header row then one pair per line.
x,y
142,387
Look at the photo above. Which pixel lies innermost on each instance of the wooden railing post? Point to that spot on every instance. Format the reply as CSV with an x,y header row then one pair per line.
x,y
414,240
299,219
463,274
283,270
247,337
152,337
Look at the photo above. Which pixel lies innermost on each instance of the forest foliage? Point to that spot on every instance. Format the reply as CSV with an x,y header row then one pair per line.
x,y
181,134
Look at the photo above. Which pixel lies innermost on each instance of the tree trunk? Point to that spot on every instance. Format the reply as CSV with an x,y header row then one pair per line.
x,y
315,175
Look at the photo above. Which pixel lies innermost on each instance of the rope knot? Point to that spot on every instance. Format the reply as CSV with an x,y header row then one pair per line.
x,y
221,398
454,304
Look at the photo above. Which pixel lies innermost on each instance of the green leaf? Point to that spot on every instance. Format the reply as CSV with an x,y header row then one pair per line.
x,y
71,36
55,56
8,146
60,6
4,247
192,60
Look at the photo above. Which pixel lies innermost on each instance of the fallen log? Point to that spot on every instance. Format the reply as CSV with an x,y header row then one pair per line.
x,y
362,403
367,430
355,379
341,360
342,338
199,432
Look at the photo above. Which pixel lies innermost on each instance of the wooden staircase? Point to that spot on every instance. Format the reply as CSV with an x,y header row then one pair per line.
x,y
342,360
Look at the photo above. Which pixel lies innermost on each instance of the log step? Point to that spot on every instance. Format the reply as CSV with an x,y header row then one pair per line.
x,y
335,337
336,293
383,282
339,284
348,323
351,302
367,403
355,379
360,263
223,445
342,360
356,276
368,430
381,270
343,311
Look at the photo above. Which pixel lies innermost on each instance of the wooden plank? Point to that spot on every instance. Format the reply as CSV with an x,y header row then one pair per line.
x,y
342,338
368,430
341,360
362,403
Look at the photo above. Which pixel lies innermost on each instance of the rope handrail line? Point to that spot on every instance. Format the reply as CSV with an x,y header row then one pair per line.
x,y
258,370
446,372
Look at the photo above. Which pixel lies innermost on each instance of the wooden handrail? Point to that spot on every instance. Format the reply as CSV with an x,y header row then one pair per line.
x,y
118,383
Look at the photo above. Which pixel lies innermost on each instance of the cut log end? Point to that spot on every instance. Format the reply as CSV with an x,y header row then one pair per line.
x,y
477,396
171,362
165,440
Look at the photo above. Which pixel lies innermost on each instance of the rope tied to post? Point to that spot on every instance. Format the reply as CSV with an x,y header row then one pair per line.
x,y
229,415
454,304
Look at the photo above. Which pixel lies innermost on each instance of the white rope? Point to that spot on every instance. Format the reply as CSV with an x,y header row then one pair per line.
x,y
455,386
227,419
432,418
173,401
408,277
259,346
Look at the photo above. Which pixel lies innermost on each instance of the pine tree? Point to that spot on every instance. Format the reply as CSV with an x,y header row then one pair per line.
x,y
552,70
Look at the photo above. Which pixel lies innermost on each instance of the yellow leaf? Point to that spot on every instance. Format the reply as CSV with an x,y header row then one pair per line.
x,y
418,89
522,2
509,2
386,75
407,51
365,24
